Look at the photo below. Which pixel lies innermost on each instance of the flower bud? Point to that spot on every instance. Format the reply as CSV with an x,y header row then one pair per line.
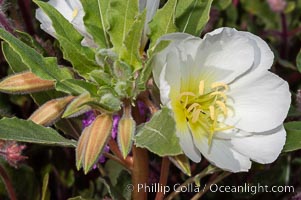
x,y
126,130
26,82
50,111
78,106
92,141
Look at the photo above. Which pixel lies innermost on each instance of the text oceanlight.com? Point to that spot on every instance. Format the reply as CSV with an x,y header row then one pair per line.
x,y
245,188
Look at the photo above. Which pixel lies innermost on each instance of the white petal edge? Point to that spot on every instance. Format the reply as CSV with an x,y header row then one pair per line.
x,y
264,56
228,50
188,146
221,154
261,102
262,148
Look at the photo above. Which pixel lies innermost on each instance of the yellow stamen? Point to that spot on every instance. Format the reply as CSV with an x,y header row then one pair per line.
x,y
186,94
219,84
212,112
74,13
222,94
222,105
201,87
192,106
196,115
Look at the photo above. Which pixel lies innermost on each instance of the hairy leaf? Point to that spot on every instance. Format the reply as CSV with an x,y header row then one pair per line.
x,y
26,131
82,58
163,22
46,68
192,15
159,135
293,137
121,16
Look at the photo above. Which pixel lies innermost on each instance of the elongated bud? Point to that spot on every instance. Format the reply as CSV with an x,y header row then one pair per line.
x,y
50,111
92,141
181,162
78,106
81,147
24,83
126,131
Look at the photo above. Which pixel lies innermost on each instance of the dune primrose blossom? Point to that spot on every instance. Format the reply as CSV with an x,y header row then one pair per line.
x,y
226,104
73,11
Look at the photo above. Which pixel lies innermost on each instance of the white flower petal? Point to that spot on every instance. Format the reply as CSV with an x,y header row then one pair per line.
x,y
231,133
221,154
264,57
261,102
188,146
46,23
263,148
164,88
227,49
63,7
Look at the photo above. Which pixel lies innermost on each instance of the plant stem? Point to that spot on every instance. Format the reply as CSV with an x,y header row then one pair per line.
x,y
128,162
207,187
163,177
140,172
8,184
208,170
122,162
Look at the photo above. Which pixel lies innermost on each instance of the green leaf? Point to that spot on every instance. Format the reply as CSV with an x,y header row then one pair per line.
x,y
13,59
293,136
82,58
163,22
94,21
222,4
46,68
298,61
27,39
121,16
26,131
192,15
130,50
76,87
45,190
159,135
147,70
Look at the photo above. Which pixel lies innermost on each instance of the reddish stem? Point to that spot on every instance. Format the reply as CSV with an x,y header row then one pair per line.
x,y
140,172
163,177
8,184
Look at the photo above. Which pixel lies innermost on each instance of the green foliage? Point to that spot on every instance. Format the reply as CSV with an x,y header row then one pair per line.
x,y
76,87
163,22
82,58
119,27
192,15
293,138
130,50
159,134
27,131
46,68
95,20
298,61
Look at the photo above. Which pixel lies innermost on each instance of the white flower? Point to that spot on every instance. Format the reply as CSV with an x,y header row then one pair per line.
x,y
151,6
73,11
226,104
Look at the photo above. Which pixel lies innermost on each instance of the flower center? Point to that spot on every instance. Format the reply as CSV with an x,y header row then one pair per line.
x,y
205,109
